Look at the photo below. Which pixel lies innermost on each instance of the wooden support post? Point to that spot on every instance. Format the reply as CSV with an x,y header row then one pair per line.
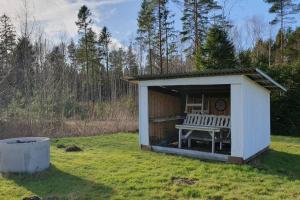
x,y
213,142
189,142
179,138
221,138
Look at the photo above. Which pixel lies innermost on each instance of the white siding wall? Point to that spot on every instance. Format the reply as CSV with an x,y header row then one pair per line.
x,y
256,117
143,115
237,122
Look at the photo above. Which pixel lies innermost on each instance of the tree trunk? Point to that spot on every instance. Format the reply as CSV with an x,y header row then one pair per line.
x,y
160,37
282,30
87,64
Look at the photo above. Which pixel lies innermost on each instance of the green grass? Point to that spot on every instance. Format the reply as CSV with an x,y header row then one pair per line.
x,y
113,167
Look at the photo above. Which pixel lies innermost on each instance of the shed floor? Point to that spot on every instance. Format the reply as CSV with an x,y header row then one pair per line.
x,y
201,146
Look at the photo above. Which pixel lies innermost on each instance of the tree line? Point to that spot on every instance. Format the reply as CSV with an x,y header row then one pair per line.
x,y
74,78
69,80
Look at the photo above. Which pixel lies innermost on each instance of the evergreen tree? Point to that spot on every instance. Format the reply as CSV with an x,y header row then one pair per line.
x,y
283,10
87,50
170,35
160,7
74,69
195,23
117,61
93,56
146,31
84,26
72,53
260,54
244,59
218,51
293,46
56,62
7,43
104,41
132,66
23,68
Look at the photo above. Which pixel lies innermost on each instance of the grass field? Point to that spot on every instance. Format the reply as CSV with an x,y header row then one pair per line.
x,y
113,167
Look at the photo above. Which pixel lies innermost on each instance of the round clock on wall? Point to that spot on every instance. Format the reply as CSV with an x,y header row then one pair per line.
x,y
220,105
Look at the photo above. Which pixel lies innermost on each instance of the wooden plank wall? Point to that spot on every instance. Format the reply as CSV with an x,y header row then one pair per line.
x,y
162,105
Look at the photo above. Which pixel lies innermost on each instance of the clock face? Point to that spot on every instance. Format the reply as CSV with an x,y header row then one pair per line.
x,y
220,105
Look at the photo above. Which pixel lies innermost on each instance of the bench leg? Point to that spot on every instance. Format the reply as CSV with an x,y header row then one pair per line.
x,y
213,142
189,142
179,138
221,143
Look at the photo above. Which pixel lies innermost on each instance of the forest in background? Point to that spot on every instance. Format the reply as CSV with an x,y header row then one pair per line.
x,y
78,87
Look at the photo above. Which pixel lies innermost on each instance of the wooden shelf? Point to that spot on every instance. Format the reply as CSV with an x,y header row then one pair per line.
x,y
166,119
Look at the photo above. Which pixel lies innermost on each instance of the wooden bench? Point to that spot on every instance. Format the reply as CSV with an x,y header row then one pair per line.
x,y
199,122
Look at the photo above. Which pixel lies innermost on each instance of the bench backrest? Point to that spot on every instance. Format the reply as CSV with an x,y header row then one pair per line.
x,y
218,121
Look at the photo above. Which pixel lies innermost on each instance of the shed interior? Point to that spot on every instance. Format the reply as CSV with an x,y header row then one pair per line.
x,y
169,105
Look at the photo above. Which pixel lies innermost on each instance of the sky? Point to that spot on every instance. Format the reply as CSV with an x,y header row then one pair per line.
x,y
56,18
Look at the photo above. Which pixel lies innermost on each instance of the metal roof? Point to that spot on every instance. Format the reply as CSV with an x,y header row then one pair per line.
x,y
254,74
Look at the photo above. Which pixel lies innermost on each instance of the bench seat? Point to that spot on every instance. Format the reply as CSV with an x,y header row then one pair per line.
x,y
197,128
199,122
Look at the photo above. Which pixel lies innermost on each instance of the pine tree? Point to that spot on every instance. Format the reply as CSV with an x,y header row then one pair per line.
x,y
72,53
56,62
104,41
218,51
103,51
160,7
87,50
7,43
170,34
146,31
74,69
84,26
23,68
283,10
244,59
293,46
195,23
260,54
132,66
117,61
94,62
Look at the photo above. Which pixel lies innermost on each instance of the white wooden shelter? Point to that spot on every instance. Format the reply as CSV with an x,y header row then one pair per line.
x,y
162,108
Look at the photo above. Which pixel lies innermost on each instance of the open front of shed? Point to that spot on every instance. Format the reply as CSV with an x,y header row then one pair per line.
x,y
219,115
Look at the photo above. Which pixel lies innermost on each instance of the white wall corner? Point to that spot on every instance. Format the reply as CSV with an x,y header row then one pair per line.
x,y
143,116
237,120
256,118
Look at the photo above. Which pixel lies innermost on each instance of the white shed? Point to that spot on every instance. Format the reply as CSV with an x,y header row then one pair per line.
x,y
221,114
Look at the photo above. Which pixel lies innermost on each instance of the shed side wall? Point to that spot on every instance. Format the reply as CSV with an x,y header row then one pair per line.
x,y
237,122
256,118
143,115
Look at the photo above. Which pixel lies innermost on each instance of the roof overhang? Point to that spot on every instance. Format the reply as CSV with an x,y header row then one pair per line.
x,y
254,74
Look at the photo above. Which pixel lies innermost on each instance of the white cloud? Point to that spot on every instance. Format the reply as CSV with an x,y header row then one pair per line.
x,y
55,17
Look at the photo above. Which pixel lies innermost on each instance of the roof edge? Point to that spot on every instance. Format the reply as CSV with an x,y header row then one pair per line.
x,y
208,73
270,79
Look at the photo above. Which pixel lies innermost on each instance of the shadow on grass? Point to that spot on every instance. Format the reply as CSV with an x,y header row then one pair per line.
x,y
55,183
278,163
